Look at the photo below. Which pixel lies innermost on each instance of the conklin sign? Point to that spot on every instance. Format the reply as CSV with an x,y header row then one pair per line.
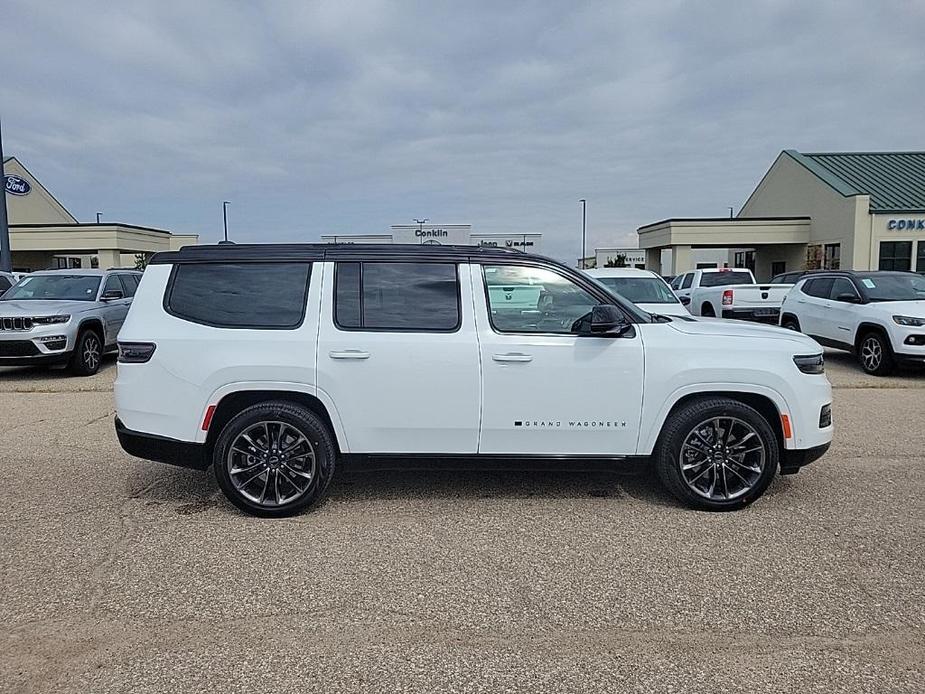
x,y
15,185
902,224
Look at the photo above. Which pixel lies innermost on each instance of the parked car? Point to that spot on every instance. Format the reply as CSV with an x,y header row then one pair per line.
x,y
792,277
730,293
65,317
273,362
879,316
644,288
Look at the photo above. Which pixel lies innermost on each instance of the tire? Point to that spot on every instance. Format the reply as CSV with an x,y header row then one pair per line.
x,y
790,323
707,311
272,482
875,355
88,353
689,435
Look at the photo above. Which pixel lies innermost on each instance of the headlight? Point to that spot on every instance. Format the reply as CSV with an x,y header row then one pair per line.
x,y
50,320
810,363
910,321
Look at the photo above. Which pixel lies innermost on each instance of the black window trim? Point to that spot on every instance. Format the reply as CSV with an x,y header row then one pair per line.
x,y
308,282
591,288
364,329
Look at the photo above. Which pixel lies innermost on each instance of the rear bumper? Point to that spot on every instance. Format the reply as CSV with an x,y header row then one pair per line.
x,y
759,315
791,461
161,449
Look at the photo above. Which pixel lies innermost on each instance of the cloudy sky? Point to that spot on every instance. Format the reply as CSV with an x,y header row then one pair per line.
x,y
348,116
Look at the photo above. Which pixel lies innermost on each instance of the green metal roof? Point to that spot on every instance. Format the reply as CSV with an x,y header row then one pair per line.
x,y
895,181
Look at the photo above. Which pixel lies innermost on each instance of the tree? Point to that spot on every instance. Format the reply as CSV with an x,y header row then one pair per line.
x,y
619,261
141,260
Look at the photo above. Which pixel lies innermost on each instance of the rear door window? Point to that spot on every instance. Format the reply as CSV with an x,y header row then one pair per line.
x,y
820,288
129,283
688,279
399,297
240,295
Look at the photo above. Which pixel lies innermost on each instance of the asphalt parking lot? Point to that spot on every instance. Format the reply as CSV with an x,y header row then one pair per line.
x,y
121,575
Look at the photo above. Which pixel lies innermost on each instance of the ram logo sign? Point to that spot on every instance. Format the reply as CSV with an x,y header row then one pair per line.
x,y
16,186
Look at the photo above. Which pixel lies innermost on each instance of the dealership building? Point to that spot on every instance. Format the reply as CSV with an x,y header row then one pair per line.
x,y
442,234
853,210
44,235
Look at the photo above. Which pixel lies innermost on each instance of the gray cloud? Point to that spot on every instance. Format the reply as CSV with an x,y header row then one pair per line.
x,y
340,117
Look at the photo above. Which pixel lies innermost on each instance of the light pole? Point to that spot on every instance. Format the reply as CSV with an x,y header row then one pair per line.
x,y
98,215
584,229
421,223
6,255
225,204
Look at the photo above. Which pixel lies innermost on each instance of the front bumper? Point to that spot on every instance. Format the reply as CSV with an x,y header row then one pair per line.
x,y
161,449
758,315
791,461
41,344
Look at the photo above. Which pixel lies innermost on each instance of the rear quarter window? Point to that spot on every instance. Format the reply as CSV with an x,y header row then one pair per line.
x,y
239,295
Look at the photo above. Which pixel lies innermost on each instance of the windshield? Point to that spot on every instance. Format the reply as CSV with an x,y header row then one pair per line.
x,y
640,290
895,287
721,279
54,287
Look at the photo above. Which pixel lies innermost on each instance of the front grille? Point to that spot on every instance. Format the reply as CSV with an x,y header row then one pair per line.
x,y
17,323
17,348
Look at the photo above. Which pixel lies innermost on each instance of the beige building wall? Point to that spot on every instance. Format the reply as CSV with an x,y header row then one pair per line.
x,y
790,189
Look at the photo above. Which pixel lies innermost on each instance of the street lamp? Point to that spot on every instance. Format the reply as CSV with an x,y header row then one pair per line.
x,y
98,215
225,204
584,228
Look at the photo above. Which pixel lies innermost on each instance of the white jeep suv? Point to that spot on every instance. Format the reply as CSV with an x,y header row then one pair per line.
x,y
271,363
880,316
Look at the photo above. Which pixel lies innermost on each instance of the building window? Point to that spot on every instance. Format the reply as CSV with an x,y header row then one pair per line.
x,y
920,260
74,263
896,255
778,267
61,263
745,259
831,259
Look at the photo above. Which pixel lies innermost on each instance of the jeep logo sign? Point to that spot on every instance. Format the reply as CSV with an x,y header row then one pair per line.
x,y
16,186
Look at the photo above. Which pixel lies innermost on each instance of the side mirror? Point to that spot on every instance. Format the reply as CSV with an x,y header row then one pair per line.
x,y
848,298
111,295
685,300
604,319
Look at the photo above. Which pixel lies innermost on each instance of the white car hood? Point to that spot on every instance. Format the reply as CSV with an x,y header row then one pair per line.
x,y
665,309
732,328
916,309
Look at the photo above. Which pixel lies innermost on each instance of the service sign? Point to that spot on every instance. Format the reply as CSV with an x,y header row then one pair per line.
x,y
15,185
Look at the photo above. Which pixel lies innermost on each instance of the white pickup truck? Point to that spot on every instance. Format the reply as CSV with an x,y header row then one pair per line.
x,y
730,293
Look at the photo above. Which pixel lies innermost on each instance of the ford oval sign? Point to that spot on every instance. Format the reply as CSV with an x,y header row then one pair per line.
x,y
16,185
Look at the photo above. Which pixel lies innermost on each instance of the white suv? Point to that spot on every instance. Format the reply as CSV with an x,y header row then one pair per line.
x,y
273,362
880,316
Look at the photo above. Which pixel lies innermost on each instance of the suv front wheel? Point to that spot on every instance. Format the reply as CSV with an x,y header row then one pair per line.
x,y
88,353
274,459
716,454
875,355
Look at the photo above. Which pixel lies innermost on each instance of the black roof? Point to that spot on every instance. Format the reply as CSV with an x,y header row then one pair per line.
x,y
306,252
853,273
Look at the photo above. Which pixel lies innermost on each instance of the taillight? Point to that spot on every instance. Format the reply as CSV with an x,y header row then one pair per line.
x,y
727,297
136,352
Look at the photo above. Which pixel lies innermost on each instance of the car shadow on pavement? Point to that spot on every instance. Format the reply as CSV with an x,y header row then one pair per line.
x,y
192,491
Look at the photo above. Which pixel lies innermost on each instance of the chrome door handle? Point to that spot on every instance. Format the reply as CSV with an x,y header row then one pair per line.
x,y
348,354
512,356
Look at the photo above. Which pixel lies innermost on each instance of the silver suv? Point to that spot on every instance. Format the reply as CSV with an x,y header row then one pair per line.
x,y
65,317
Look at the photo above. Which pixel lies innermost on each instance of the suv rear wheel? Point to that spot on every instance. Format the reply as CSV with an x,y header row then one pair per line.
x,y
274,459
875,355
88,353
716,454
